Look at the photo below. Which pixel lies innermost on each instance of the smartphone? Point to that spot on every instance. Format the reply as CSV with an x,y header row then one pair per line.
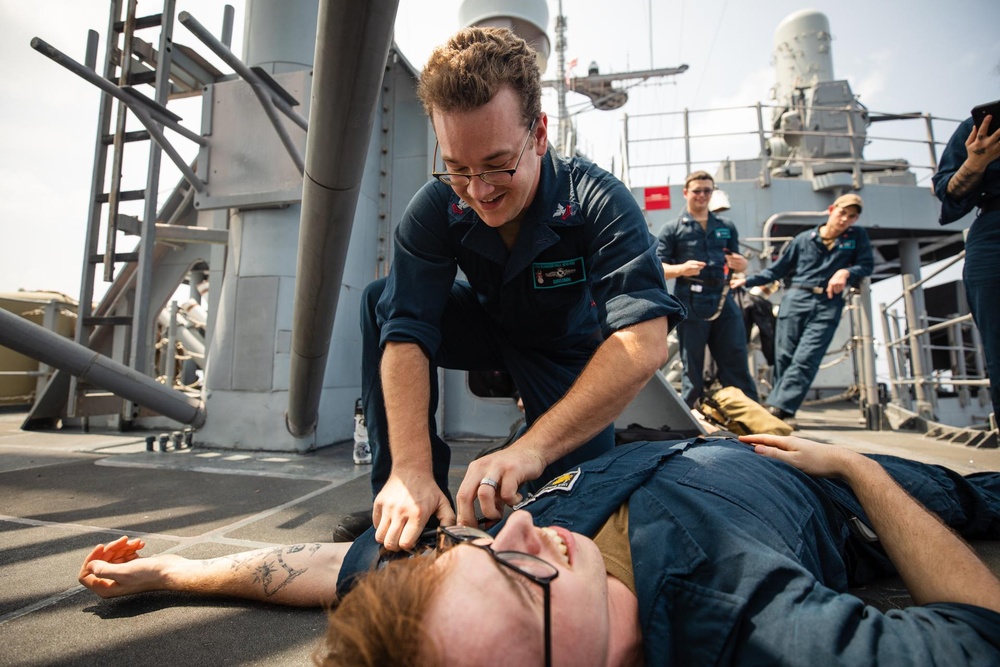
x,y
988,109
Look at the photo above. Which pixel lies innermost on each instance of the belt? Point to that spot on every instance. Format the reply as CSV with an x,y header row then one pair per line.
x,y
699,281
806,288
989,205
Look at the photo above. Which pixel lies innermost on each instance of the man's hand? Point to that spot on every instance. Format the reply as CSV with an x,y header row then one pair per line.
x,y
810,457
509,468
981,148
838,283
110,572
403,507
737,283
736,262
915,541
692,267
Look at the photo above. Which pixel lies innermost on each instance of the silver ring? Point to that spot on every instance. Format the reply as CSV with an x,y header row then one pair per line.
x,y
489,481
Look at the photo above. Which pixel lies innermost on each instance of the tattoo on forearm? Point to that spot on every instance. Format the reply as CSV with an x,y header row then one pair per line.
x,y
963,182
269,567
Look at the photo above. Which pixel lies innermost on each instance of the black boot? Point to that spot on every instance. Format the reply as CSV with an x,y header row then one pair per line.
x,y
352,526
779,413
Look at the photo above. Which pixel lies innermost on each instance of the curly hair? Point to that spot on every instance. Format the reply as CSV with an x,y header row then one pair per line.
x,y
467,71
380,622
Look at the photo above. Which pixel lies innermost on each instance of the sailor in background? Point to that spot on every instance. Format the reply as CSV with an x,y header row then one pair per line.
x,y
968,177
699,249
820,263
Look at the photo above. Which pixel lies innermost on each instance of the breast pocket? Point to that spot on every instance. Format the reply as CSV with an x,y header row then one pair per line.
x,y
558,287
560,309
553,302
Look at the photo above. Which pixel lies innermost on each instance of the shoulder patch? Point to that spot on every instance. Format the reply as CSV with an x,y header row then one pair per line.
x,y
564,484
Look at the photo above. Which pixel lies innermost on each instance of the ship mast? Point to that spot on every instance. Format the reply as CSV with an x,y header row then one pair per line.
x,y
598,87
561,80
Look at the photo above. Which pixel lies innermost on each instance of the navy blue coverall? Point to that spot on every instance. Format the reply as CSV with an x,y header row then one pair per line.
x,y
982,247
712,319
807,318
739,559
583,266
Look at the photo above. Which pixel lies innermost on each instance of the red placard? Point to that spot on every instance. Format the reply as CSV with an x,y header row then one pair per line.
x,y
658,197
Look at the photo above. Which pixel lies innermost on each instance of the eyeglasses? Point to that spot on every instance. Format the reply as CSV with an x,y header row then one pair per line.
x,y
530,567
702,191
493,176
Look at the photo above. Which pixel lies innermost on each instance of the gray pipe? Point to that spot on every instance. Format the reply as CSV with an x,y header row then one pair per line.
x,y
50,348
785,217
352,45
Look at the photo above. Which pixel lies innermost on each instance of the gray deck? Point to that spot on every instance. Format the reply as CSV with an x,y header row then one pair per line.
x,y
63,492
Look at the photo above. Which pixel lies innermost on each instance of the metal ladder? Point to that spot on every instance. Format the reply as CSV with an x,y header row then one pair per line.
x,y
112,139
172,71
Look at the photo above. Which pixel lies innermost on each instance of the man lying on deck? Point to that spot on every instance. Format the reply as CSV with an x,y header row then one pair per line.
x,y
696,552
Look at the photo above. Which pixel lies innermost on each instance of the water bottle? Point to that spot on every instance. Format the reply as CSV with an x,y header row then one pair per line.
x,y
362,450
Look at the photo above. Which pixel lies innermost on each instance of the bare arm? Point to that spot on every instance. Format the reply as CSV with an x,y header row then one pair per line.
x,y
410,496
692,267
619,369
982,150
303,575
914,539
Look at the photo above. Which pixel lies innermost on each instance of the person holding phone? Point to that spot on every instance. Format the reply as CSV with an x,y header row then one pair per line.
x,y
968,178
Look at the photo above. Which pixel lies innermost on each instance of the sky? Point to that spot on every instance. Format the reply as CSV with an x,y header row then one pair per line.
x,y
898,55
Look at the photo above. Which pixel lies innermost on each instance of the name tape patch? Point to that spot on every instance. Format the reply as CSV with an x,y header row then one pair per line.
x,y
558,274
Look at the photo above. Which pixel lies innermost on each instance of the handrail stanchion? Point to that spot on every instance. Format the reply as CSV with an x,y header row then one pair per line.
x,y
687,141
765,173
916,354
872,406
956,351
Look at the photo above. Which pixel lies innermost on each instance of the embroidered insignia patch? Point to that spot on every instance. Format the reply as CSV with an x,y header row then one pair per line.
x,y
564,483
563,210
723,233
566,213
558,274
847,244
459,207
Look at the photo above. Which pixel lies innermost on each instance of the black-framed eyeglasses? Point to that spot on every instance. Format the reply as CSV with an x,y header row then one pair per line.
x,y
530,567
493,176
702,191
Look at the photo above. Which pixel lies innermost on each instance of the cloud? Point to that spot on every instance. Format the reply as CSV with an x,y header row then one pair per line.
x,y
872,85
753,87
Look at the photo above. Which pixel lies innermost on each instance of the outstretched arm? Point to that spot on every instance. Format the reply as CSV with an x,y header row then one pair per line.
x,y
914,539
302,575
410,496
615,374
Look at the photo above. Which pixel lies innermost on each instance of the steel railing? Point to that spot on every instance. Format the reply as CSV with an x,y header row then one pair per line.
x,y
755,128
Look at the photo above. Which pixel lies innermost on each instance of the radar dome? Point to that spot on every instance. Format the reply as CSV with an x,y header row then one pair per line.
x,y
529,19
